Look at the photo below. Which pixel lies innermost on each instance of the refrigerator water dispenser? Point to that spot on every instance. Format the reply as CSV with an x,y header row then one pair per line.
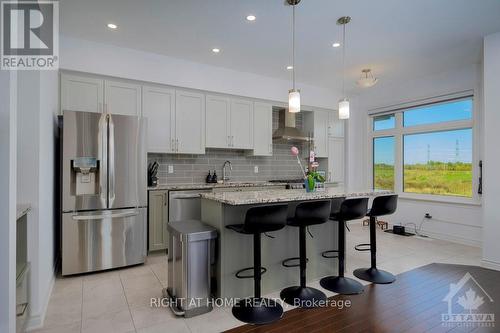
x,y
85,175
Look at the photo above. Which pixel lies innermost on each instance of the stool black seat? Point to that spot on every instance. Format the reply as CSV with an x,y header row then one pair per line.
x,y
383,205
258,220
306,214
350,209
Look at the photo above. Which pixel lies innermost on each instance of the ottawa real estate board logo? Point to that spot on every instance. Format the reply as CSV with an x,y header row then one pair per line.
x,y
30,35
467,302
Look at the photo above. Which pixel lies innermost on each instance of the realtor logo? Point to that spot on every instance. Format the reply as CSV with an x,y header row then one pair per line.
x,y
465,299
30,35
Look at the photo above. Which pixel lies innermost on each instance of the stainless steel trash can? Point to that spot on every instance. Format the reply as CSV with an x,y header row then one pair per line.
x,y
190,256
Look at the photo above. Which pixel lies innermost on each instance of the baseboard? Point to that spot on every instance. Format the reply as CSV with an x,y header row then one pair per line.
x,y
490,264
450,238
454,239
36,321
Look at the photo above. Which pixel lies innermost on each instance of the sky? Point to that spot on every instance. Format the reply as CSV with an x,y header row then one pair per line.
x,y
450,146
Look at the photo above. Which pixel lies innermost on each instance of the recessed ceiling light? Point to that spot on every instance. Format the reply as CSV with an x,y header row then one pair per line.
x,y
251,18
289,68
336,44
215,50
112,26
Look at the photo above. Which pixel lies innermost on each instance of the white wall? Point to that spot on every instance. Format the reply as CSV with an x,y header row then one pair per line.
x,y
38,105
7,201
491,200
460,223
86,56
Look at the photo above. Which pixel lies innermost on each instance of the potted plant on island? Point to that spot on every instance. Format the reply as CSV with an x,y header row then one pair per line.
x,y
311,176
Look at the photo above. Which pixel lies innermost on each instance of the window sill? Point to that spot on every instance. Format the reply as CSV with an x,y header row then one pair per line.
x,y
440,199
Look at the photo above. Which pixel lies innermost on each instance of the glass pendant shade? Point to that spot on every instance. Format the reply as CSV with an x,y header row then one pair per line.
x,y
344,109
294,100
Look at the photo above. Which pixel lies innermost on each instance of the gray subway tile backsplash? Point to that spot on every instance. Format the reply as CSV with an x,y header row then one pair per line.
x,y
194,168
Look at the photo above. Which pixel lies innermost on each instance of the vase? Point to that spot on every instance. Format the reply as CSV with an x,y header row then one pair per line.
x,y
310,189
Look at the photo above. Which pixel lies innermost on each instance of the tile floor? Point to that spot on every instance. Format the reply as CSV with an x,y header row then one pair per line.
x,y
118,301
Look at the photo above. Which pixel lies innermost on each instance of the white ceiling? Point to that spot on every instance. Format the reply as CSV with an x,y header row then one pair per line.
x,y
397,39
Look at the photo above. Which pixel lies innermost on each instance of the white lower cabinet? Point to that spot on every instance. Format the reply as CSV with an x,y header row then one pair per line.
x,y
157,220
336,160
263,129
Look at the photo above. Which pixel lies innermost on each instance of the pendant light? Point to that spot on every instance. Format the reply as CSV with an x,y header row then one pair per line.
x,y
293,94
344,102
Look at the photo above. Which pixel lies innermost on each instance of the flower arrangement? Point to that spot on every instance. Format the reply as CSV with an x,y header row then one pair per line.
x,y
311,176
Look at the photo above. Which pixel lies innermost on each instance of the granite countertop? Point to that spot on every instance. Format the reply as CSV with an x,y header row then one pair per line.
x,y
272,196
209,186
21,210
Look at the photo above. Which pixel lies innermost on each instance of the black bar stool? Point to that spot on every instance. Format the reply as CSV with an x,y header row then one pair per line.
x,y
306,214
383,205
336,204
258,220
350,209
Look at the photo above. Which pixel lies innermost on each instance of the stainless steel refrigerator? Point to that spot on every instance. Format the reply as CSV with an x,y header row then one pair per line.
x,y
103,191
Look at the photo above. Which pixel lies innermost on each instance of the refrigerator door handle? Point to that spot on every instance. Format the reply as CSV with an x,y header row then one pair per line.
x,y
111,161
127,213
103,160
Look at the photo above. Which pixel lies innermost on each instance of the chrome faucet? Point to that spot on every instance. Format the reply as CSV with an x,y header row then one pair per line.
x,y
225,175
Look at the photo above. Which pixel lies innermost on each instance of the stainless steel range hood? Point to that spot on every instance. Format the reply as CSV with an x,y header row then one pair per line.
x,y
287,130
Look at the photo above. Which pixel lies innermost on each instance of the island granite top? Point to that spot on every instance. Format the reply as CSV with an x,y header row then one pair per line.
x,y
274,196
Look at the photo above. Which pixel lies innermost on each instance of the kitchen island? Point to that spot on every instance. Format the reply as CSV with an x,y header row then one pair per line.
x,y
235,251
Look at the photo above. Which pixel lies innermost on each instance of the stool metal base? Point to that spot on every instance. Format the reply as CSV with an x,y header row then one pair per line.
x,y
341,285
257,310
304,297
374,275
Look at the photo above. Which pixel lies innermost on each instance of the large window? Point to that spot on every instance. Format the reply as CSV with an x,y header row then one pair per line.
x,y
438,163
425,149
383,167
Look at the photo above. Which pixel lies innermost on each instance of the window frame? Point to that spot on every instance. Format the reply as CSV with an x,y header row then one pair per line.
x,y
399,131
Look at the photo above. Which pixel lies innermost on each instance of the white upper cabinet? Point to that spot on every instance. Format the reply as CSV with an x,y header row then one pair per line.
x,y
82,93
321,133
229,123
241,136
218,121
335,126
263,129
336,160
122,98
189,122
158,106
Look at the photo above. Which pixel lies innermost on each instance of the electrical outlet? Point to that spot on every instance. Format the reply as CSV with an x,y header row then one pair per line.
x,y
256,169
428,216
170,169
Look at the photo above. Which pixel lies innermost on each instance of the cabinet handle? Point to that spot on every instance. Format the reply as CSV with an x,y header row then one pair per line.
x,y
177,144
172,145
228,141
164,199
232,141
329,176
